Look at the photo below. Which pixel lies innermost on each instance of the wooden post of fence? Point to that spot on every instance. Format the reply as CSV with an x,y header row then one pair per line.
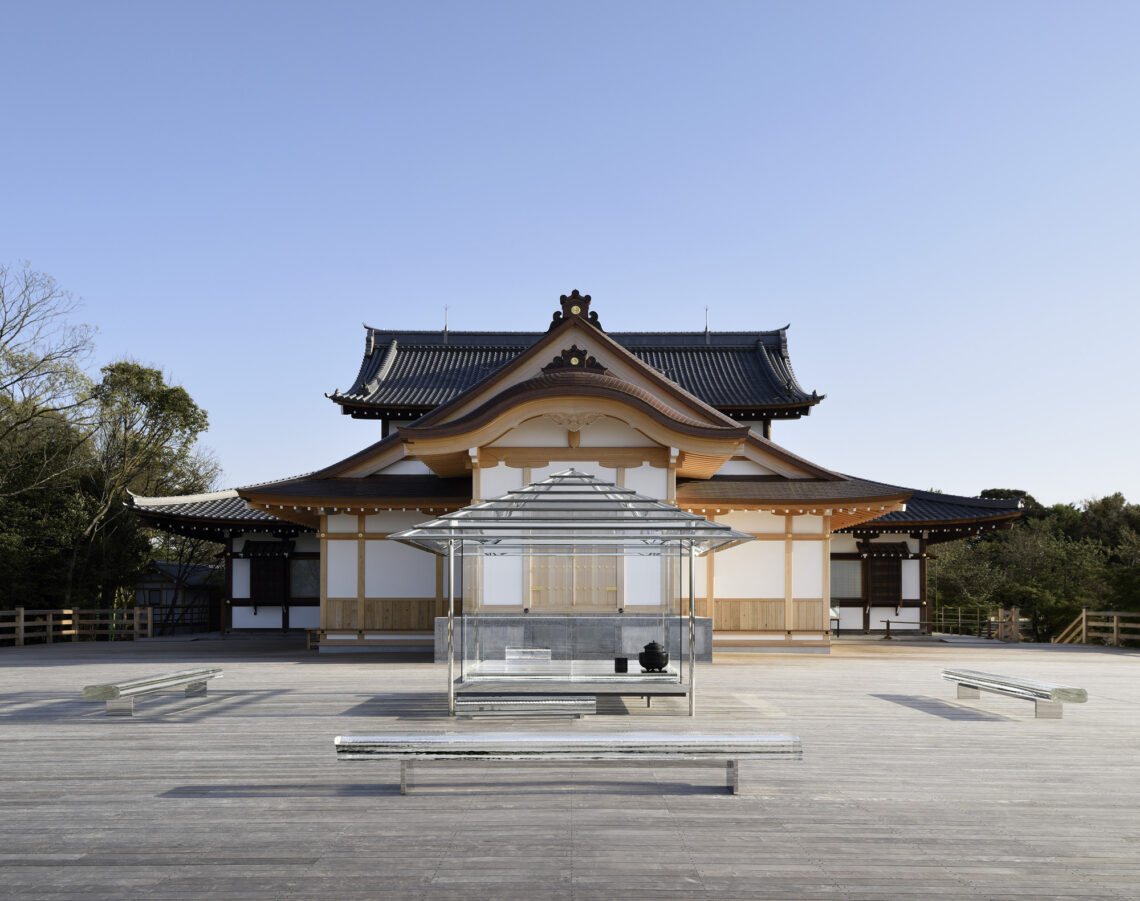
x,y
1116,630
1015,621
50,626
135,624
150,622
19,626
74,624
1084,625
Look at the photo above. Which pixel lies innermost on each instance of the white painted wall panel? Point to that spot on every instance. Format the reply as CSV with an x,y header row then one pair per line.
x,y
533,433
395,520
754,521
807,569
700,569
502,581
241,578
265,618
394,570
807,524
341,522
652,481
753,570
843,544
643,581
906,617
407,467
851,618
910,580
607,432
341,565
498,480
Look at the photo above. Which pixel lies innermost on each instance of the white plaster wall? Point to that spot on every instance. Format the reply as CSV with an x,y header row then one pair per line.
x,y
265,618
910,580
744,468
807,569
241,579
304,617
652,481
608,432
502,581
307,544
394,570
758,521
341,522
752,570
851,617
700,570
395,520
807,524
341,565
536,432
407,466
906,617
495,481
643,582
843,544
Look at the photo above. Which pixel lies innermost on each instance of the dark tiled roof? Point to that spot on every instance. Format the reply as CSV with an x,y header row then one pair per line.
x,y
370,488
780,490
928,508
414,372
583,382
222,506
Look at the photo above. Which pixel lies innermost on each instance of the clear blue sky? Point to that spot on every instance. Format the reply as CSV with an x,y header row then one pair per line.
x,y
943,199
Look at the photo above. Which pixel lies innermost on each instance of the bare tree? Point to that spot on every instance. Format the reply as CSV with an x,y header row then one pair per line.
x,y
42,351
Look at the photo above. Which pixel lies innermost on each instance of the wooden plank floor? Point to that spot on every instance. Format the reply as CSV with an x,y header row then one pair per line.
x,y
905,792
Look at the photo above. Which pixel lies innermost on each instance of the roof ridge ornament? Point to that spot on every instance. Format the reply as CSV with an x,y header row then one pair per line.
x,y
574,357
574,306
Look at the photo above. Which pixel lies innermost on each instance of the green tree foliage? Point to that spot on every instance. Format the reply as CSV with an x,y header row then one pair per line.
x,y
70,450
1054,561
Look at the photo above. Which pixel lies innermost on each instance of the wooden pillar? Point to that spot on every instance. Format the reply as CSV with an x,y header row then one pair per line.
x,y
1015,622
50,626
1084,625
1116,630
19,626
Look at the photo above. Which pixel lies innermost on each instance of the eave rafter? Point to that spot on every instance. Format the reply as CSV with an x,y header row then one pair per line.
x,y
842,515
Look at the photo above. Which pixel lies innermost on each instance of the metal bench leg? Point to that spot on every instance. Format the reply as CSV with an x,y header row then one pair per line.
x,y
196,689
121,707
732,777
1048,710
406,776
965,691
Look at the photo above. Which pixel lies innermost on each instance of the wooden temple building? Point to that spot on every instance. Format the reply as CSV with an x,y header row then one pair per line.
x,y
680,417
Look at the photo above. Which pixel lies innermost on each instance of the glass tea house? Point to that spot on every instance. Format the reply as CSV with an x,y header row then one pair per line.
x,y
569,580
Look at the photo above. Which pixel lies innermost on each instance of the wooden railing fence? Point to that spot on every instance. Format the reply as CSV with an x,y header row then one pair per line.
x,y
1007,625
22,626
1110,627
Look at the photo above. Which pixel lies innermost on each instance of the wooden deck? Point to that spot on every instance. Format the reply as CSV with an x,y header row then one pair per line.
x,y
904,792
